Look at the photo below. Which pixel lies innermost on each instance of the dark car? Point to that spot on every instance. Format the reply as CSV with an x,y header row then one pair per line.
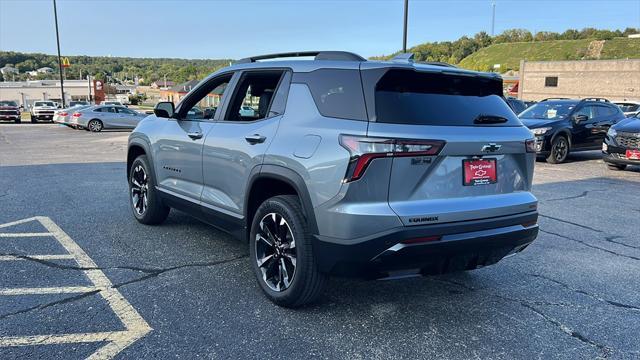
x,y
516,105
621,146
565,125
9,110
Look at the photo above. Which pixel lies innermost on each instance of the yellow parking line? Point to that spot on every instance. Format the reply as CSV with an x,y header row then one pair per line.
x,y
136,327
11,235
36,257
48,290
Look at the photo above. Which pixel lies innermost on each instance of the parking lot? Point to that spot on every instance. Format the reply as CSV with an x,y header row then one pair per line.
x,y
79,277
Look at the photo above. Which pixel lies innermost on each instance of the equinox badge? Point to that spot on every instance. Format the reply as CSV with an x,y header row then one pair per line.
x,y
491,147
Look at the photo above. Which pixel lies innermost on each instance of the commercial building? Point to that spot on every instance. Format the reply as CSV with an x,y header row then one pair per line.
x,y
26,92
610,79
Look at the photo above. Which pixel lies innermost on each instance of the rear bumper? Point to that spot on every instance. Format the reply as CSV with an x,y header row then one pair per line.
x,y
463,246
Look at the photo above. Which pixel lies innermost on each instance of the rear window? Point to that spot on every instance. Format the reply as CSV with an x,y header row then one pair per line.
x,y
336,92
421,98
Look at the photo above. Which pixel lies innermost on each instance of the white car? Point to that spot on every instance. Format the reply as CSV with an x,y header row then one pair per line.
x,y
629,108
42,110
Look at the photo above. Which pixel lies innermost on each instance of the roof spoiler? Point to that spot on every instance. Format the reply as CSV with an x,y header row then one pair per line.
x,y
318,55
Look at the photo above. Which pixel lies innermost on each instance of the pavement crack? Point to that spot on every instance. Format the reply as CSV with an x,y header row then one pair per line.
x,y
583,292
571,223
612,239
591,246
584,194
50,304
569,331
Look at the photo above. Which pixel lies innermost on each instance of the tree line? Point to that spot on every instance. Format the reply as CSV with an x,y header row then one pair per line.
x,y
453,52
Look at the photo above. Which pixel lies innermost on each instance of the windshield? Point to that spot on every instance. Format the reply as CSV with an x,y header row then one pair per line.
x,y
548,110
8,103
43,103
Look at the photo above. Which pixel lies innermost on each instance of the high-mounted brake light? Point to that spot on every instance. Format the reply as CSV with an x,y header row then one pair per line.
x,y
364,149
76,115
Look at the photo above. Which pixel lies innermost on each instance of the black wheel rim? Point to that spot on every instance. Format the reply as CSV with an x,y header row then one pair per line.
x,y
139,190
276,252
560,149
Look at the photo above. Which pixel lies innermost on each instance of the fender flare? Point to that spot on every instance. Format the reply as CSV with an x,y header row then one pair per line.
x,y
566,132
144,144
290,177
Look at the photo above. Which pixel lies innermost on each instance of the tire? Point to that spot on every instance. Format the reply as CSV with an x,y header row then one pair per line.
x,y
559,150
616,167
33,119
94,125
149,209
305,281
18,121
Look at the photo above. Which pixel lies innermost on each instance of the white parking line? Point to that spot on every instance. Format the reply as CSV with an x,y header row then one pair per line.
x,y
136,327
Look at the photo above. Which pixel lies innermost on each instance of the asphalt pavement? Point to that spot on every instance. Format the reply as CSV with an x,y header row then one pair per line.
x,y
80,277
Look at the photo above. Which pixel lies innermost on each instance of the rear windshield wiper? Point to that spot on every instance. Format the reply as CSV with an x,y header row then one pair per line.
x,y
489,119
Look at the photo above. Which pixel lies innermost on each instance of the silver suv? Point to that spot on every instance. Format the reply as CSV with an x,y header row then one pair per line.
x,y
345,167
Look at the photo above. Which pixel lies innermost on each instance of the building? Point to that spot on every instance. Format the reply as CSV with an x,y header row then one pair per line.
x,y
161,84
26,92
610,79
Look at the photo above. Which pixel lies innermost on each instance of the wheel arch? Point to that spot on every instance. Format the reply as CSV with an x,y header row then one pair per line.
x,y
563,132
136,148
271,180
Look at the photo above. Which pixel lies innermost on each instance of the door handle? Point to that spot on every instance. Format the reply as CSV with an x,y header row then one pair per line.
x,y
195,135
255,139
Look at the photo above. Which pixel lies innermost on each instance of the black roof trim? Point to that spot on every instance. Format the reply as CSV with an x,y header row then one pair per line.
x,y
318,55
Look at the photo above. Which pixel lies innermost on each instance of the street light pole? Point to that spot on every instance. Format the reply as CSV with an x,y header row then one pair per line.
x,y
55,14
493,18
404,33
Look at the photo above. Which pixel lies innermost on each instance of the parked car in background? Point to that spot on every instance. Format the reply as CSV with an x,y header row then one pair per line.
x,y
516,105
529,103
9,110
629,108
78,103
621,146
247,111
42,110
565,125
348,167
99,117
64,116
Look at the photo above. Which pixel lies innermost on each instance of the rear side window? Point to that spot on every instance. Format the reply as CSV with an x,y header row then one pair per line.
x,y
336,92
421,98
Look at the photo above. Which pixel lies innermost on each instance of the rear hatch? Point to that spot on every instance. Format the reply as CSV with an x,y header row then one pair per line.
x,y
471,159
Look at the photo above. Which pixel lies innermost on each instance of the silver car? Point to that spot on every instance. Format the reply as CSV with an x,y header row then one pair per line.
x,y
348,167
98,117
64,116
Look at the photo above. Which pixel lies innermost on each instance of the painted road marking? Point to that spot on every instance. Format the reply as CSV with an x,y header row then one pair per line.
x,y
135,326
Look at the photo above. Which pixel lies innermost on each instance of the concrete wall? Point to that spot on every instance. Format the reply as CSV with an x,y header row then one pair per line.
x,y
611,79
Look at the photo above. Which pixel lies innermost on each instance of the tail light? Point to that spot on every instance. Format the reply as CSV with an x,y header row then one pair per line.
x,y
63,114
530,144
364,149
76,115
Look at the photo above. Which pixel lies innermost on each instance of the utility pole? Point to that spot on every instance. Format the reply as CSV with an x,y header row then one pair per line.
x,y
55,14
493,18
404,33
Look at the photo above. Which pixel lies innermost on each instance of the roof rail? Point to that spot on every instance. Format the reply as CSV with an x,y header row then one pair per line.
x,y
595,99
318,55
557,98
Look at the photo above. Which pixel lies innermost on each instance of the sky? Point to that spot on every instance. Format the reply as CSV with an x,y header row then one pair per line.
x,y
202,29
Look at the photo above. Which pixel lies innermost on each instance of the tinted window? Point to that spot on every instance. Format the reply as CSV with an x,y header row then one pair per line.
x,y
548,110
8,103
336,92
607,110
421,98
517,105
587,110
551,81
629,107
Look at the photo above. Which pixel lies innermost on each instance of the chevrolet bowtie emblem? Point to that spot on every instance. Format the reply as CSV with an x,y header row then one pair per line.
x,y
491,147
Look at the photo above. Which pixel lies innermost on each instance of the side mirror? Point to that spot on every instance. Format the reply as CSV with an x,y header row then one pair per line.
x,y
580,118
164,109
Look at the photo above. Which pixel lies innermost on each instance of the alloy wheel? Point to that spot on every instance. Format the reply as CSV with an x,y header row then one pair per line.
x,y
139,190
560,149
95,126
276,252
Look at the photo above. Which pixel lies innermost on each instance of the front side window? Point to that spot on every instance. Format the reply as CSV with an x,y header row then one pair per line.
x,y
253,95
589,111
206,100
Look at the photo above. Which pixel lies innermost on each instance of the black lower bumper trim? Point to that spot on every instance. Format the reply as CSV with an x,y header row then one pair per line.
x,y
492,240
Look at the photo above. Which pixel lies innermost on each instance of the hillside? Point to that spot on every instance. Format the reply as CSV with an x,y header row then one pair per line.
x,y
508,55
149,69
